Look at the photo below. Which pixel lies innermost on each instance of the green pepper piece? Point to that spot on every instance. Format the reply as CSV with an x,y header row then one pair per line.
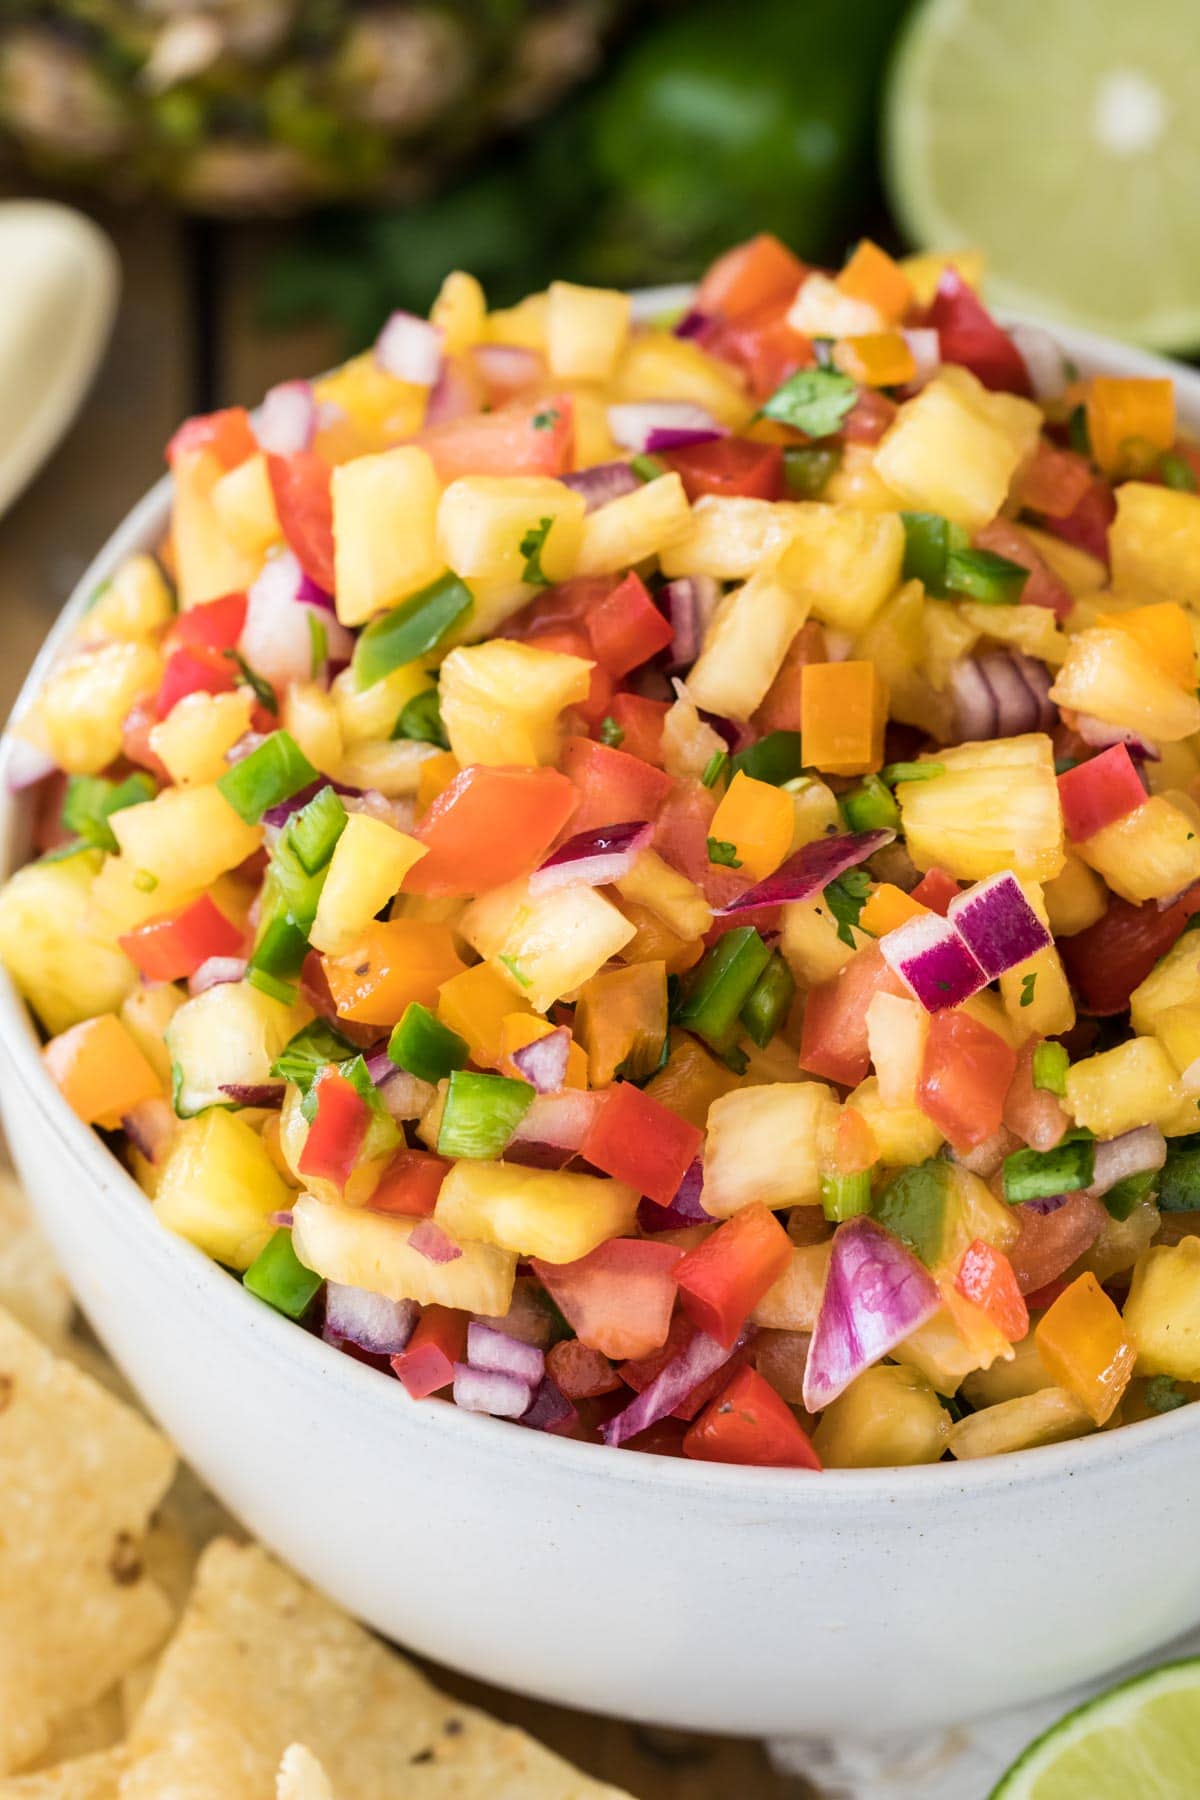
x,y
272,773
870,807
809,468
421,718
928,541
1179,1178
1050,1065
1038,1174
918,1207
846,1196
314,831
721,984
774,758
308,1051
983,576
769,1001
481,1113
91,800
1120,1200
425,1047
279,1277
410,630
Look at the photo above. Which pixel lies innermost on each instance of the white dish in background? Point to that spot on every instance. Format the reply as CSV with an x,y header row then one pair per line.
x,y
691,1594
58,299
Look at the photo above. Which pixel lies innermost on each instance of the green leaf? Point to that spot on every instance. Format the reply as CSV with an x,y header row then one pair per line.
x,y
531,547
845,897
720,851
716,766
611,733
263,692
814,401
421,718
1028,984
310,1049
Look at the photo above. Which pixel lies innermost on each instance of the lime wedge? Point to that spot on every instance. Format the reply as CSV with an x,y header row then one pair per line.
x,y
1061,137
1140,1741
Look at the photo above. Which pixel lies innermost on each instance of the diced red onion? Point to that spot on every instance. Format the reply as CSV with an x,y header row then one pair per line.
x,y
933,962
27,765
561,1120
405,1095
694,324
255,1093
635,425
1038,680
488,1348
686,1208
1043,357
214,971
150,1126
689,603
372,1321
876,1294
1044,1205
601,483
926,348
536,1156
508,366
812,868
974,702
543,1063
701,1357
1135,1152
1017,706
246,745
1099,735
283,1219
398,810
410,349
997,924
491,1391
277,638
550,1410
429,1240
593,858
287,419
734,735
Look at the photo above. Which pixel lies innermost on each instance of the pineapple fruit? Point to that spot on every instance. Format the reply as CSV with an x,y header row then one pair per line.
x,y
1049,1416
794,1301
132,605
534,1212
765,1143
627,530
1162,1313
1155,542
656,365
1110,675
369,862
1133,1084
385,530
545,945
586,331
888,1417
746,642
1153,853
218,1187
500,701
79,715
66,966
208,564
231,1033
184,838
955,447
994,807
483,520
846,560
371,1250
193,741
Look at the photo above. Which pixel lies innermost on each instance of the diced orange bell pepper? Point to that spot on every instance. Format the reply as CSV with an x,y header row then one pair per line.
x,y
1129,418
656,942
476,1004
843,711
434,777
749,275
100,1071
621,1019
393,963
518,1029
871,275
1082,1340
888,906
690,1079
758,820
1164,631
877,359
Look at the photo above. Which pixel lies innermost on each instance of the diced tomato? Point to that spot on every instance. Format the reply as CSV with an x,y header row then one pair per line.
x,y
227,434
564,607
1043,1297
172,946
214,625
965,1075
723,1279
779,709
193,671
619,1298
426,1364
640,722
762,345
1086,526
1037,1116
572,642
870,416
580,1373
681,834
612,785
1100,791
490,826
1112,957
535,437
626,628
1043,587
970,336
760,270
985,1277
635,1139
1054,481
1050,1242
410,1184
300,484
748,1423
833,1040
729,466
936,889
337,1131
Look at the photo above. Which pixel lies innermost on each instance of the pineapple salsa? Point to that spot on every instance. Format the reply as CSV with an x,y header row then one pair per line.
x,y
640,878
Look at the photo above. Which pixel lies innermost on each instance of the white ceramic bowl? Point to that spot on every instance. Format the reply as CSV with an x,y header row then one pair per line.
x,y
695,1595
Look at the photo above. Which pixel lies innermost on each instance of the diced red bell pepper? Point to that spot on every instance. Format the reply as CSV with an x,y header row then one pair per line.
x,y
300,484
612,785
936,889
748,1423
970,336
572,642
762,345
1109,959
490,826
426,1364
580,1373
227,434
985,1277
1100,791
730,466
337,1131
619,1298
723,1279
1054,482
833,1039
410,1184
1043,1297
533,437
1086,526
214,625
780,707
635,1139
193,670
640,722
759,271
1043,587
869,418
626,628
965,1075
172,946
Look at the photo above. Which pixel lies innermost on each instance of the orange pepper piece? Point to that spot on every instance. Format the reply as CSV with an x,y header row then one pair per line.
x,y
1082,1340
1164,631
656,942
434,777
1128,417
871,275
476,1004
843,710
518,1029
854,1145
393,963
888,906
100,1071
758,820
690,1080
622,1014
876,359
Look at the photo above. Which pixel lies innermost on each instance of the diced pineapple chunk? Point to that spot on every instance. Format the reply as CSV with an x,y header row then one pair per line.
x,y
903,1134
1025,1374
371,1250
500,701
1031,629
79,715
369,861
1162,1313
244,503
1110,675
1173,981
64,966
208,564
231,1033
995,807
1154,542
657,365
311,716
957,1340
1178,1031
1074,899
745,644
548,945
1048,1416
954,448
688,742
459,312
765,1143
857,482
185,837
948,638
634,526
794,1301
367,714
1133,1084
146,1011
811,946
484,520
534,1212
897,1032
729,537
822,310
523,324
586,330
1036,993
218,1188
846,560
670,896
1152,853
193,739
1078,572
384,530
888,1417
134,604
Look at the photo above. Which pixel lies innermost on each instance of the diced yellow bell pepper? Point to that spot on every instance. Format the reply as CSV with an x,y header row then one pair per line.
x,y
843,711
1085,1346
100,1071
518,1029
757,819
1129,418
476,1004
654,940
621,1019
393,963
875,359
873,276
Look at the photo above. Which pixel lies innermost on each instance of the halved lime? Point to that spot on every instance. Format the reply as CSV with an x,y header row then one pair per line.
x,y
1139,1741
1061,137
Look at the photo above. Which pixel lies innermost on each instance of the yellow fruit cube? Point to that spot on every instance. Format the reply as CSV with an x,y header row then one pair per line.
x,y
146,1012
384,530
657,365
1154,542
208,564
793,1302
954,448
857,482
1152,853
549,944
523,324
586,330
1036,993
245,507
65,966
634,526
379,407
500,701
674,899
1162,1313
897,1033
765,1143
729,537
688,743
1080,573
476,1004
1075,898
1049,1416
1110,675
847,560
994,807
185,837
393,768
368,714
311,716
889,1417
1177,1029
219,1187
1133,1084
903,1134
79,716
229,1033
459,312
193,740
484,520
134,604
746,641
1173,981
534,1212
369,861
371,1251
822,310
811,946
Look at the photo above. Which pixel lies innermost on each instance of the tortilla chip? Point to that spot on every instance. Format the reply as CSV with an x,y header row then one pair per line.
x,y
301,1776
261,1662
31,1285
85,1731
80,1475
88,1778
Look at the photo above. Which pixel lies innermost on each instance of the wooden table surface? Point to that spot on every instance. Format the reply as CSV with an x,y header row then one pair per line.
x,y
187,339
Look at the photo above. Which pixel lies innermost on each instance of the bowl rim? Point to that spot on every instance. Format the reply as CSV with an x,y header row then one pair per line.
x,y
364,1389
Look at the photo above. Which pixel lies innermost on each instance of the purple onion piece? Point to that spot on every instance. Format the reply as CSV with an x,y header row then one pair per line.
x,y
260,1093
530,1155
543,1063
488,1348
689,603
1136,1152
429,1240
702,1357
1016,706
997,924
811,868
733,735
491,1391
974,703
1039,681
601,483
685,1209
694,324
634,424
550,1410
279,815
678,437
371,1321
876,1294
380,1067
287,419
282,1221
559,1121
410,349
1044,1204
933,961
593,857
1099,735
214,971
